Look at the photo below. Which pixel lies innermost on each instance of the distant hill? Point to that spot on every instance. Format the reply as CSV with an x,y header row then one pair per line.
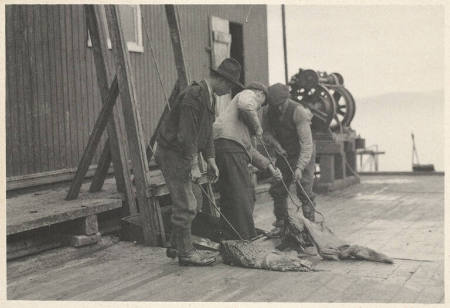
x,y
389,119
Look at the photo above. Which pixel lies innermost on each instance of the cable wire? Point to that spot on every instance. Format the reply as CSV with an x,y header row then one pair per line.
x,y
293,176
156,64
218,210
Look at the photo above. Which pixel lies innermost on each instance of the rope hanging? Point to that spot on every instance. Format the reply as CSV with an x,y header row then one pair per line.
x,y
156,64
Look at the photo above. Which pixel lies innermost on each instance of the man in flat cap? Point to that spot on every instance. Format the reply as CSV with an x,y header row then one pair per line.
x,y
186,131
286,125
233,132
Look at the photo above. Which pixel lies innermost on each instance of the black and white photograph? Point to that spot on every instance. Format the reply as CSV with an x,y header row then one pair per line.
x,y
224,153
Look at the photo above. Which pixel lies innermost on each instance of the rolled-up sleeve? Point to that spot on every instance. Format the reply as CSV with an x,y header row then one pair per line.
x,y
258,160
302,120
248,110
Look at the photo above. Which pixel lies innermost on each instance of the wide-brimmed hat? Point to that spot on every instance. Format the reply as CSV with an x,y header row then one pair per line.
x,y
277,94
230,69
255,85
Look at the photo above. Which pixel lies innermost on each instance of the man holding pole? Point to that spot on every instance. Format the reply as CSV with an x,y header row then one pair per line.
x,y
233,132
186,131
286,126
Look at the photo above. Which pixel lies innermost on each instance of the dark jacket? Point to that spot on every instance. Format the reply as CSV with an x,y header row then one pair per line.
x,y
188,126
290,131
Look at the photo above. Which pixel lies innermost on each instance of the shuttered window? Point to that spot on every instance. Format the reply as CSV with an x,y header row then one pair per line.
x,y
130,17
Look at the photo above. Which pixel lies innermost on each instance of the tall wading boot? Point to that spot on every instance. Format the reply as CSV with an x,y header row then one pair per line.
x,y
280,211
187,254
171,251
309,213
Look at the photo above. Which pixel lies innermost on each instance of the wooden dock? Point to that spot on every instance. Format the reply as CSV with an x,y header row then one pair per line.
x,y
401,215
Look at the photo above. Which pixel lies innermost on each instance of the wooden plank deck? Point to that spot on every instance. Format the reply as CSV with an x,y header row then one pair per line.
x,y
47,207
402,216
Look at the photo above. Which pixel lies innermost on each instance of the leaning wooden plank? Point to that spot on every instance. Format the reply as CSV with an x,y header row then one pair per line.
x,y
183,80
177,46
117,142
172,100
93,141
133,127
102,170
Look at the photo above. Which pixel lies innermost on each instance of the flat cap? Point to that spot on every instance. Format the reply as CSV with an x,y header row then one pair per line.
x,y
255,85
277,94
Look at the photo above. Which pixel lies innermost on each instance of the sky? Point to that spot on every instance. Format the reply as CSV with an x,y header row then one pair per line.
x,y
378,49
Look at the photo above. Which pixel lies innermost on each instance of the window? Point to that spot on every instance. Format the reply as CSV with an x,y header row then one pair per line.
x,y
130,17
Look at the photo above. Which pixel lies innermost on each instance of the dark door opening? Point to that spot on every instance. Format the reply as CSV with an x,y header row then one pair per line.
x,y
237,48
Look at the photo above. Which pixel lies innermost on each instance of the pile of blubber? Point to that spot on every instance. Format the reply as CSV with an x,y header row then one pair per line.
x,y
296,232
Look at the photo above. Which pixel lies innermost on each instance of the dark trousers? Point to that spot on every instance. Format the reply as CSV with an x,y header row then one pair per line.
x,y
280,195
236,189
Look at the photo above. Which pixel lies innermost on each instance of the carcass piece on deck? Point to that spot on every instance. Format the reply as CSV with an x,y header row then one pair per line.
x,y
328,245
249,254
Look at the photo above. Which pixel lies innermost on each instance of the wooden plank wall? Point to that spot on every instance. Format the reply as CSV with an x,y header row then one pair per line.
x,y
52,99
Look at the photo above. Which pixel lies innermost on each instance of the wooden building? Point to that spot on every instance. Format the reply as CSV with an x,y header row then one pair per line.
x,y
52,97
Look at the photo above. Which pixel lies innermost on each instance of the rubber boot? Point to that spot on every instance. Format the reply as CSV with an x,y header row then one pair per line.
x,y
280,211
171,251
308,212
187,254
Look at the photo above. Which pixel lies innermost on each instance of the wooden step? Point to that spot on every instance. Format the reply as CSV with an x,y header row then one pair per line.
x,y
48,207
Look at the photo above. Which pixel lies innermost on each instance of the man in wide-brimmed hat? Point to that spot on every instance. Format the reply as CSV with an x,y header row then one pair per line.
x,y
233,132
286,125
185,132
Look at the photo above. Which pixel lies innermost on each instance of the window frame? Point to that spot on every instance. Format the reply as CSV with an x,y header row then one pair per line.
x,y
132,46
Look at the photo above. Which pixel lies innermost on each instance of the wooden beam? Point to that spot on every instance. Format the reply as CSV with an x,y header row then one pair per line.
x,y
173,96
182,81
93,141
102,170
134,128
177,46
117,140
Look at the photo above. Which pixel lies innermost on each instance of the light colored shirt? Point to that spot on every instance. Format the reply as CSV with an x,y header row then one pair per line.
x,y
229,125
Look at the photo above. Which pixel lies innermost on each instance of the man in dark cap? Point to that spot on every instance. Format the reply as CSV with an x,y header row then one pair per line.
x,y
286,125
233,132
186,131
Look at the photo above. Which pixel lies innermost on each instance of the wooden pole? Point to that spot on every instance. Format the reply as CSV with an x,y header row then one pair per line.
x,y
173,96
177,46
283,19
102,169
116,141
134,128
182,81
